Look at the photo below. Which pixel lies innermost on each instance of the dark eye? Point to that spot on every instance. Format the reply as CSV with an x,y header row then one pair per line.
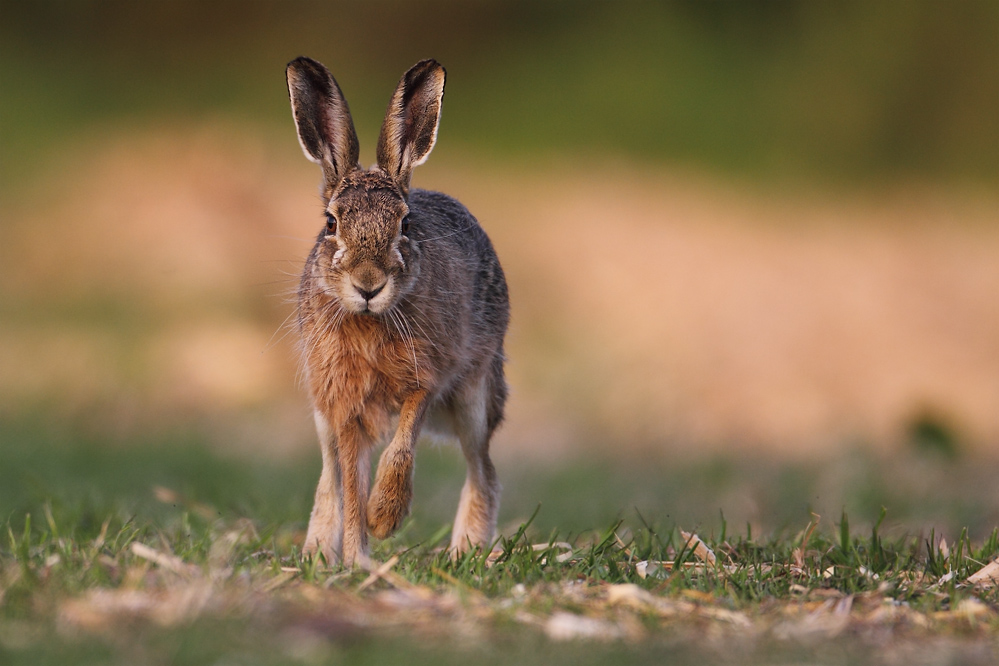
x,y
330,224
405,225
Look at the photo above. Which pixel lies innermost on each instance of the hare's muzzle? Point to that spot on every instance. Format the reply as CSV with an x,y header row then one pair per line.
x,y
368,281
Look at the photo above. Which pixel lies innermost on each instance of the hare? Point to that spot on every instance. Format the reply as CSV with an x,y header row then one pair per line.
x,y
402,311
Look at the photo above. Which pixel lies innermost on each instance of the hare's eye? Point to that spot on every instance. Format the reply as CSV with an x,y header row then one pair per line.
x,y
330,224
405,225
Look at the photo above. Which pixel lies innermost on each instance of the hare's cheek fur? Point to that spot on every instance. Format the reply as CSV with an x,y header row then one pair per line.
x,y
325,271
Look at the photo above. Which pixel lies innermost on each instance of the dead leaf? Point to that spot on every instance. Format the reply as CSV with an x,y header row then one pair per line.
x,y
629,594
663,568
654,568
278,581
560,545
826,621
972,607
378,573
168,562
104,609
943,580
987,576
701,550
697,595
826,593
967,609
562,626
723,614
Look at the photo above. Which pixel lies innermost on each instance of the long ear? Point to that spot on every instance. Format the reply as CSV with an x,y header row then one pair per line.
x,y
410,127
322,118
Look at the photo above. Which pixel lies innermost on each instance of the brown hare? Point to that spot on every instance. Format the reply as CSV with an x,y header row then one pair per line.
x,y
402,311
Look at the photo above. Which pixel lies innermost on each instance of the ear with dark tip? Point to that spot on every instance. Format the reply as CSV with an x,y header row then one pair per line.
x,y
410,128
322,117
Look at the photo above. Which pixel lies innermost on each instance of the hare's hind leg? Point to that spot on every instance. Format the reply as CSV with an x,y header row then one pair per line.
x,y
325,533
477,412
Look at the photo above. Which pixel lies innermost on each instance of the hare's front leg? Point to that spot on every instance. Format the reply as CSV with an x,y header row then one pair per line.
x,y
393,491
475,523
354,454
325,533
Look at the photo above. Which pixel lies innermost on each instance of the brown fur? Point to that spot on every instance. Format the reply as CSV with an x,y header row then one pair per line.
x,y
396,320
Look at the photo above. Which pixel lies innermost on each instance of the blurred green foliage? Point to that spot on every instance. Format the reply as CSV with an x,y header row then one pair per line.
x,y
769,89
86,471
929,434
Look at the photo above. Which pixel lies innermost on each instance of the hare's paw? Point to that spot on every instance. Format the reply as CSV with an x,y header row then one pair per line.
x,y
386,513
475,523
321,548
391,496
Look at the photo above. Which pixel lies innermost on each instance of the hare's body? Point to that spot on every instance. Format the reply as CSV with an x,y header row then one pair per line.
x,y
402,309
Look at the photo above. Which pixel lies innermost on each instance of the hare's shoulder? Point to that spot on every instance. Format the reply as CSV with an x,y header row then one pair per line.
x,y
442,220
439,208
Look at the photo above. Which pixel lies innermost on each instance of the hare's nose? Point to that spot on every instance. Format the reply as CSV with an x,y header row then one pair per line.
x,y
368,294
368,280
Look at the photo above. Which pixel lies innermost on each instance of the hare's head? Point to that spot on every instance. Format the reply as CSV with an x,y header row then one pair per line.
x,y
365,259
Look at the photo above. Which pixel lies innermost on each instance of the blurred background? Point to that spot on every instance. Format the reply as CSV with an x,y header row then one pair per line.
x,y
753,250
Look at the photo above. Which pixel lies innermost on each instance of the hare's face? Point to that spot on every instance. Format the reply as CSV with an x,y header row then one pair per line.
x,y
365,260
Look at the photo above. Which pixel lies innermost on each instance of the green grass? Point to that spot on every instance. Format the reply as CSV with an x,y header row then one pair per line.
x,y
259,597
218,576
92,464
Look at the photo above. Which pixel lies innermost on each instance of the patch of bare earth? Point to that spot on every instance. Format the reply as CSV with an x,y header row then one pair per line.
x,y
649,307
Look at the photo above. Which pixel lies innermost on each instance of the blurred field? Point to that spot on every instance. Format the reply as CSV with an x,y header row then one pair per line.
x,y
759,230
662,324
751,249
773,91
672,306
653,308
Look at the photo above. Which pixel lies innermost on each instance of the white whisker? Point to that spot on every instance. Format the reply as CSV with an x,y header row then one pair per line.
x,y
402,326
456,231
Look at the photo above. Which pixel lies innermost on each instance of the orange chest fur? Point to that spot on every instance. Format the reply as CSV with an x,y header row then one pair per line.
x,y
362,368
